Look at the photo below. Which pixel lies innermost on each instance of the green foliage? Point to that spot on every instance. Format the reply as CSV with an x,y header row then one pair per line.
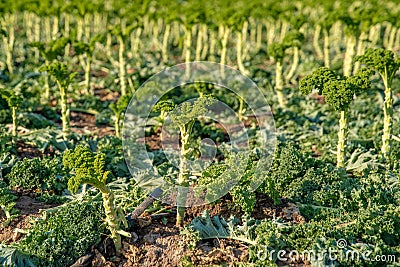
x,y
12,98
206,227
52,49
243,196
289,163
338,91
60,73
111,147
65,235
82,48
34,121
51,198
188,112
88,168
381,60
5,141
316,80
121,105
10,256
164,107
293,39
45,174
277,51
7,200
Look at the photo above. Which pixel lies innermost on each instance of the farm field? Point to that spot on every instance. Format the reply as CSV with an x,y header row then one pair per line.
x,y
199,133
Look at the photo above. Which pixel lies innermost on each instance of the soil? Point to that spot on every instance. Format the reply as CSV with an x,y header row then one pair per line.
x,y
28,209
84,123
25,150
158,242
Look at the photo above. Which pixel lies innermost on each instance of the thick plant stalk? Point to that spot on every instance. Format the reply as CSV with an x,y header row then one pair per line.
x,y
316,46
66,32
8,42
259,36
122,70
386,34
387,122
327,61
284,29
337,34
188,44
374,34
164,51
245,47
88,21
112,218
279,84
29,26
64,111
205,42
253,31
392,37
270,32
116,125
79,30
199,43
348,57
175,33
55,27
295,64
108,49
239,49
224,50
360,50
396,46
342,139
183,173
136,45
46,98
47,28
14,122
87,75
212,45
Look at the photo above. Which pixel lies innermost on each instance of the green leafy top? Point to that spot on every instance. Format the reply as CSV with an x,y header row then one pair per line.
x,y
6,198
117,30
188,112
52,49
88,168
316,80
338,91
277,51
121,104
164,106
382,61
13,100
293,39
60,72
88,48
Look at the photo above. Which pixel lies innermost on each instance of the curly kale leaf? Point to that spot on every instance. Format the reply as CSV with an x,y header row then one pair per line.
x,y
88,168
317,80
45,174
66,235
381,60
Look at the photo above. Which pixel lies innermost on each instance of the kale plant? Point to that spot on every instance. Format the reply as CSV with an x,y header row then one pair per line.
x,y
88,168
33,174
